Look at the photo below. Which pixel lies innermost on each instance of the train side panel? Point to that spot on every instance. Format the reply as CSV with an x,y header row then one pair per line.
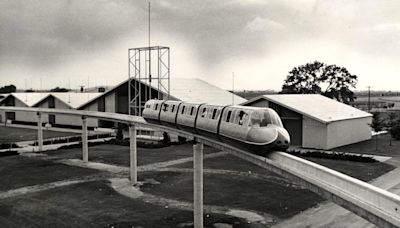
x,y
207,119
235,124
168,112
187,116
152,110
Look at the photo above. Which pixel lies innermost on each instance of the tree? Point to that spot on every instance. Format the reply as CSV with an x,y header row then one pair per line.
x,y
8,89
377,125
58,89
393,126
319,78
390,124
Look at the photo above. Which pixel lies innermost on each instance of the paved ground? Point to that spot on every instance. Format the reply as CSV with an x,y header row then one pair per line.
x,y
330,215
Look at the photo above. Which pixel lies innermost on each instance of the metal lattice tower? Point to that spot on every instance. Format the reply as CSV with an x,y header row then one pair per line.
x,y
147,79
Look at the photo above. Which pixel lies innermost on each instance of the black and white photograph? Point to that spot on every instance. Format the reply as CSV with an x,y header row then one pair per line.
x,y
200,113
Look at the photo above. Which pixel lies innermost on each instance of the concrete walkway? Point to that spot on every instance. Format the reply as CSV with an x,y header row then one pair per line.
x,y
330,215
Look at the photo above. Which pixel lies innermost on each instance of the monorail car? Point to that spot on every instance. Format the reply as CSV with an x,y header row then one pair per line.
x,y
256,129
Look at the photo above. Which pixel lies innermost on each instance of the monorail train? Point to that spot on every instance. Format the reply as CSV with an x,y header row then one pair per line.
x,y
259,130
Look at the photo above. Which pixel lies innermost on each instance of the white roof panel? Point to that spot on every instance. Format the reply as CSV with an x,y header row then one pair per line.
x,y
315,106
198,91
75,99
29,98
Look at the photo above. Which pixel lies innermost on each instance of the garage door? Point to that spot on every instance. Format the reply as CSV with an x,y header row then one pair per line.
x,y
294,127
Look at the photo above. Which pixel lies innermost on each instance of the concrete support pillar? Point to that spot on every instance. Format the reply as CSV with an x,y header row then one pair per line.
x,y
133,154
85,149
40,132
198,184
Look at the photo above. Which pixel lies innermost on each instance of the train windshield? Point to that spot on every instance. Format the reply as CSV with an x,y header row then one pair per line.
x,y
264,118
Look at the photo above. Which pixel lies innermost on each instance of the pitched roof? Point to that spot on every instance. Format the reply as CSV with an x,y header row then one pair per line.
x,y
198,91
29,99
74,100
315,106
190,90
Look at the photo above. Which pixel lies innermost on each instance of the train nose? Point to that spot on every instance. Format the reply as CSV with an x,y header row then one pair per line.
x,y
283,139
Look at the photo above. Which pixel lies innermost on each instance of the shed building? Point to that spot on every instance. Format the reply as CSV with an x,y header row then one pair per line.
x,y
46,100
20,100
315,121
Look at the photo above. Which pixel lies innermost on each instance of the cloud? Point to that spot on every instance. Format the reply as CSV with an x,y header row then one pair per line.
x,y
215,37
263,24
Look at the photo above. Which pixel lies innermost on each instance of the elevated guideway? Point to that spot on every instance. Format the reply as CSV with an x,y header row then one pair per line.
x,y
376,205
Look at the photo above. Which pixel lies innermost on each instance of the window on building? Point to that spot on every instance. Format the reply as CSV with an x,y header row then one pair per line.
x,y
102,105
52,102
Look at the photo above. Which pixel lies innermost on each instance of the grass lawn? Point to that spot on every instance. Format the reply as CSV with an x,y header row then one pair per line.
x,y
119,155
369,146
18,171
93,204
12,134
246,193
359,170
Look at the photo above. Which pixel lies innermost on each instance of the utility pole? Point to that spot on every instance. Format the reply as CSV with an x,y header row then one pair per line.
x,y
233,88
369,98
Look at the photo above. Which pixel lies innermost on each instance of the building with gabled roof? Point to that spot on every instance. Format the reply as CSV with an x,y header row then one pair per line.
x,y
315,121
116,100
59,100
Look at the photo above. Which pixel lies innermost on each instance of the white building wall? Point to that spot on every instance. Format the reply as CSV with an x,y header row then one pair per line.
x,y
314,134
24,116
92,122
349,131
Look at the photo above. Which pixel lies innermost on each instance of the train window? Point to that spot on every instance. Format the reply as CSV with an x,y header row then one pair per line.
x,y
204,112
264,118
165,107
214,114
156,107
192,111
228,116
242,117
233,118
183,109
173,107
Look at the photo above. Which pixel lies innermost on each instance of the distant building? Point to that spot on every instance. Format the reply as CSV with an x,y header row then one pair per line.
x,y
46,100
315,121
113,100
20,100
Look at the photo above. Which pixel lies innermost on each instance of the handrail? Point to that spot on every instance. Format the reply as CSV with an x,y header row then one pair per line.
x,y
372,203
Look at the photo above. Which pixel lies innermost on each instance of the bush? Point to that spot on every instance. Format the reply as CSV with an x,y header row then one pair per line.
x,y
181,139
8,146
333,155
120,134
166,139
395,132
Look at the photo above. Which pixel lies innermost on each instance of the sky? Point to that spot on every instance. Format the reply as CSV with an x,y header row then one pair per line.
x,y
68,43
